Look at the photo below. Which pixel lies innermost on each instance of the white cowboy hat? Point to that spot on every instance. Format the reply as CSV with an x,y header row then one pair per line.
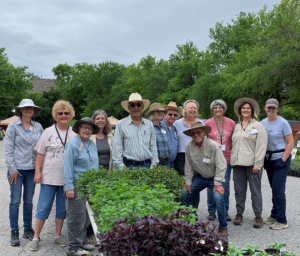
x,y
197,125
253,102
173,105
27,103
135,97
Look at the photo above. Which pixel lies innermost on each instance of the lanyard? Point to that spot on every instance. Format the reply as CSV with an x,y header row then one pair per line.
x,y
64,144
220,134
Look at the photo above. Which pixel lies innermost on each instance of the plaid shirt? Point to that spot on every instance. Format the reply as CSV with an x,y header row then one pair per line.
x,y
162,144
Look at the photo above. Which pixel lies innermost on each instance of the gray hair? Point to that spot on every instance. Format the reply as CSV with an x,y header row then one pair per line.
x,y
151,117
222,103
107,128
187,102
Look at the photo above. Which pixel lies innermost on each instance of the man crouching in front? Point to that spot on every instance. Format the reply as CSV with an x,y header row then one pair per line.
x,y
205,166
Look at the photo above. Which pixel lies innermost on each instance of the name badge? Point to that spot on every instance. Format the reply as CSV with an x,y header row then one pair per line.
x,y
163,131
62,156
205,160
253,131
223,147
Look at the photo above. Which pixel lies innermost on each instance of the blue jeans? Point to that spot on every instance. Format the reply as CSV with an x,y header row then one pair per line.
x,y
163,163
198,184
15,199
277,171
226,185
171,164
145,165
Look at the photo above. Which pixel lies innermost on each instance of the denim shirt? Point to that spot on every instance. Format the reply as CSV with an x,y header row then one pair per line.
x,y
172,140
19,146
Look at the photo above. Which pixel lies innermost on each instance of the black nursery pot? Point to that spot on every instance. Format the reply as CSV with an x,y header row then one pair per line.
x,y
247,253
292,172
272,252
296,173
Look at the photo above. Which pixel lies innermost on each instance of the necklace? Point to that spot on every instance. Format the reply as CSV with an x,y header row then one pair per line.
x,y
87,150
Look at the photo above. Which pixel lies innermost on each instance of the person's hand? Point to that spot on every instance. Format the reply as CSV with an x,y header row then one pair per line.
x,y
255,170
38,177
188,188
283,159
14,177
219,188
70,193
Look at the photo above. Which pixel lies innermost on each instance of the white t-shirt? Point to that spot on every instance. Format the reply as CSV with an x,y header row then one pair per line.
x,y
51,147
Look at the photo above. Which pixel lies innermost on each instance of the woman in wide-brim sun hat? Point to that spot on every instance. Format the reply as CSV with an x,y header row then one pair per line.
x,y
20,140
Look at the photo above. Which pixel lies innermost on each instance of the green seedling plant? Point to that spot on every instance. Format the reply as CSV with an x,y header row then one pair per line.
x,y
233,250
263,254
251,249
277,246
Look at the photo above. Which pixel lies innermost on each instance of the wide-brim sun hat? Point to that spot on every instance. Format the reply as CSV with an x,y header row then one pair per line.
x,y
135,97
197,125
27,103
253,102
156,107
85,120
173,105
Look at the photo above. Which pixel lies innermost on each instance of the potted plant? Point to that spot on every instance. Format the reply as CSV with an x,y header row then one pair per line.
x,y
274,248
251,250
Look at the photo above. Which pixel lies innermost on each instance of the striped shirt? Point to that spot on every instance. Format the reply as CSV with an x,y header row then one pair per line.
x,y
162,144
19,146
133,142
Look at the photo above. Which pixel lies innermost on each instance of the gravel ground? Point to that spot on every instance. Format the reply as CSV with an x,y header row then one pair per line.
x,y
239,235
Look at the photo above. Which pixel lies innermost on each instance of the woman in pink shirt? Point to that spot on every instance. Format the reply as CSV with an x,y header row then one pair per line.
x,y
221,132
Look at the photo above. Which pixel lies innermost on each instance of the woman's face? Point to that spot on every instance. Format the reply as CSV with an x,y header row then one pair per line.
x,y
271,111
100,121
158,115
191,109
27,111
63,116
218,111
85,131
246,111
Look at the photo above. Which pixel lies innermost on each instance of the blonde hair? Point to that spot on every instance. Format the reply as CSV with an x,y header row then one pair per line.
x,y
62,104
151,117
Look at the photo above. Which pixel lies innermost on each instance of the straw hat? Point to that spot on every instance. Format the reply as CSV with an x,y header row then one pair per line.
x,y
27,103
154,107
135,97
196,125
85,120
173,105
253,102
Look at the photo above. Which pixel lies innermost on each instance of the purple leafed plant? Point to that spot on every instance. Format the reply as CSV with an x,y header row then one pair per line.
x,y
168,235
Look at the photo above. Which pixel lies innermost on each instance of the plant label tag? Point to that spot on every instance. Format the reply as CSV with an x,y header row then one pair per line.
x,y
253,131
205,160
294,151
223,147
163,131
298,144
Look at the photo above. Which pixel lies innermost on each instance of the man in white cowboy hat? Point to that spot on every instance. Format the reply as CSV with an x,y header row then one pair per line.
x,y
205,166
134,140
173,113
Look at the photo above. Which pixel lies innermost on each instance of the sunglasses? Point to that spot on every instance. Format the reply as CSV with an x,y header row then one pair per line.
x,y
132,105
63,113
170,114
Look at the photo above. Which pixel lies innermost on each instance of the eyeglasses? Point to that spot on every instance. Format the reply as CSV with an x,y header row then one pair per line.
x,y
170,114
86,128
132,105
63,113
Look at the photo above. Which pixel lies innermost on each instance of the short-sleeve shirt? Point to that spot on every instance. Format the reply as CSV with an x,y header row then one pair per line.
x,y
227,133
51,147
277,130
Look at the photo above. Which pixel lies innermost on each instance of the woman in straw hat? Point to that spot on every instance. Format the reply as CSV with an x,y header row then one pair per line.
x,y
249,144
21,138
277,161
156,114
81,155
221,132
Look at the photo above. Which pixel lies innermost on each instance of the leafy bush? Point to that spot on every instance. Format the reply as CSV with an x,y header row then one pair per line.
x,y
122,200
88,181
295,163
168,235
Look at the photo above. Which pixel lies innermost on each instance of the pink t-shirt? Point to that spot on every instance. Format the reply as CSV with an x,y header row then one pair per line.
x,y
227,133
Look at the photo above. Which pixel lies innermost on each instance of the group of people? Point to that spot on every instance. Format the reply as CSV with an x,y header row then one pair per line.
x,y
204,152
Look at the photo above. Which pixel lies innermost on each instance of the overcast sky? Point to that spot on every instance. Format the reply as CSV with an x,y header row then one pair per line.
x,y
42,34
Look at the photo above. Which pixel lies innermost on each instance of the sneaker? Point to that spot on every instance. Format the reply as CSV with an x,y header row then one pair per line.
x,y
270,221
88,247
278,225
258,222
228,217
92,240
238,219
222,231
34,245
28,233
61,241
211,216
14,238
78,252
